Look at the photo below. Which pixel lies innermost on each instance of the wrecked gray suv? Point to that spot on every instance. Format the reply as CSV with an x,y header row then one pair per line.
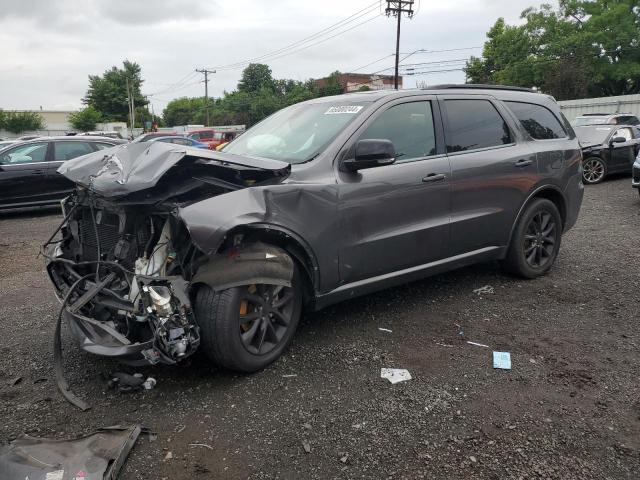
x,y
166,249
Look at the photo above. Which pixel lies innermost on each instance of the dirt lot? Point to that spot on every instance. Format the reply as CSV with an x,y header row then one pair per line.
x,y
569,408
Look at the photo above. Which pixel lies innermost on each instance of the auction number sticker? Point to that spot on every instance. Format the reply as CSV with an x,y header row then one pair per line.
x,y
349,109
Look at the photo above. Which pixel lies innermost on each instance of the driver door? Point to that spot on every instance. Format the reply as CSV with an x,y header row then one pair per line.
x,y
23,174
397,216
623,154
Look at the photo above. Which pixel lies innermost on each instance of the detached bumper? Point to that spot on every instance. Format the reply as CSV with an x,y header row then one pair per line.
x,y
95,338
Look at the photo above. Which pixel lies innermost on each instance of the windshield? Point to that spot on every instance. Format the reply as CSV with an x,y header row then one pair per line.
x,y
593,135
298,133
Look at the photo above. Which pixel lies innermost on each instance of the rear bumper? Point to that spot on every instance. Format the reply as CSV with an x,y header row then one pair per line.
x,y
573,193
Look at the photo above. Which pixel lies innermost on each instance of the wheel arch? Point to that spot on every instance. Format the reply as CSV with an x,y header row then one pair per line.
x,y
285,239
549,192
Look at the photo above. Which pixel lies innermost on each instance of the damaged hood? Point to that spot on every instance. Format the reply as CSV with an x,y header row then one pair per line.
x,y
134,167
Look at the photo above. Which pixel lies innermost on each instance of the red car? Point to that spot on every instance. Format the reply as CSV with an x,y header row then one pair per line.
x,y
212,138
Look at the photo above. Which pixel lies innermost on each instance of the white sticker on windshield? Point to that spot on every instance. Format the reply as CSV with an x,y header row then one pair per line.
x,y
350,109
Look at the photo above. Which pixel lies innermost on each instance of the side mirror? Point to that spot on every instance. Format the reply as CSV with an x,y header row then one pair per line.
x,y
370,154
618,140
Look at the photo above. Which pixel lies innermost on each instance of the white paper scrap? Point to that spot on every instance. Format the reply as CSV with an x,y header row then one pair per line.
x,y
385,330
395,375
502,360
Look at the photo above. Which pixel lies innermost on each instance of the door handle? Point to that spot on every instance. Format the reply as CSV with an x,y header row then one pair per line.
x,y
523,163
37,172
433,177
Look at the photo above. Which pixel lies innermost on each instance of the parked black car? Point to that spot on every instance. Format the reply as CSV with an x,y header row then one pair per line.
x,y
606,119
28,174
607,149
166,248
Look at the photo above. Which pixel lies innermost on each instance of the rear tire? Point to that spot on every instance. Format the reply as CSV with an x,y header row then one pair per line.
x,y
240,328
536,240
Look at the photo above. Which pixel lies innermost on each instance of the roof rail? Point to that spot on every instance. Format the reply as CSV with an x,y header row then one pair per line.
x,y
478,86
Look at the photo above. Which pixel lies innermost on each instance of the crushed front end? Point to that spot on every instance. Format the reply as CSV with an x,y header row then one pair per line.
x,y
127,266
123,258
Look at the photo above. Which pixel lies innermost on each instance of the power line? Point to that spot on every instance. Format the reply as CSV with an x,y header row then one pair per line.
x,y
365,11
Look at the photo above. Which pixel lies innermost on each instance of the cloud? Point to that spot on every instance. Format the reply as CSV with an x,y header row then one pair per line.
x,y
50,47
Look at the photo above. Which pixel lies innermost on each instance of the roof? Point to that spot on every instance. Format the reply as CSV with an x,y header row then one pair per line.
x,y
500,91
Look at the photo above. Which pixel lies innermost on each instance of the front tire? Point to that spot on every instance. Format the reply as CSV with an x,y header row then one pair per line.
x,y
247,328
594,169
536,240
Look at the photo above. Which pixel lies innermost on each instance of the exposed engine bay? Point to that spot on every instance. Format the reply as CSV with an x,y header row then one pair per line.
x,y
133,267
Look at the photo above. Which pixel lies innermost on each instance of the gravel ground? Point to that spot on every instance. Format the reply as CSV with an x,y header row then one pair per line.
x,y
568,409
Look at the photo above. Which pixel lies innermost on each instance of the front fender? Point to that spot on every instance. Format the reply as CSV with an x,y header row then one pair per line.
x,y
250,264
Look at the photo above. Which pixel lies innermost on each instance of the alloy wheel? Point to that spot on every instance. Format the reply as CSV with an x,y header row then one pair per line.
x,y
265,314
593,170
540,239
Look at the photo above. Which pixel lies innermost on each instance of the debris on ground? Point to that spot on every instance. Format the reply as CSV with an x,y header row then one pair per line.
x,y
126,383
460,330
478,344
486,290
385,330
444,345
290,375
344,458
168,456
395,375
98,455
307,446
502,360
203,445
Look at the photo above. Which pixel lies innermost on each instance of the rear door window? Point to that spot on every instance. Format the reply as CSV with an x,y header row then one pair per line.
x,y
69,150
409,126
537,120
474,124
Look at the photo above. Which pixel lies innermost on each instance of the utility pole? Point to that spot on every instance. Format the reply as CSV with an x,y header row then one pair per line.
x,y
206,90
129,104
396,9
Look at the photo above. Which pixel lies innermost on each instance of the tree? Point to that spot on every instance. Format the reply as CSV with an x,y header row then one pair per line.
x,y
583,48
332,86
85,120
18,122
107,94
255,77
184,111
3,119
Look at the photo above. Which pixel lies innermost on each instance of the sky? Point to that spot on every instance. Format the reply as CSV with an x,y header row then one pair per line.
x,y
49,47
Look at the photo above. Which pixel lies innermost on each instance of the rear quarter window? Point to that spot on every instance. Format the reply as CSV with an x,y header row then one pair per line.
x,y
537,120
